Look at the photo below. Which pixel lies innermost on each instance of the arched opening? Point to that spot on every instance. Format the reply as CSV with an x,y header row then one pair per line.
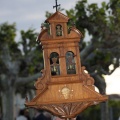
x,y
59,30
54,64
70,63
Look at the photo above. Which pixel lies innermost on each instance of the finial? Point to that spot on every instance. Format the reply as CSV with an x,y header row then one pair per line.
x,y
56,5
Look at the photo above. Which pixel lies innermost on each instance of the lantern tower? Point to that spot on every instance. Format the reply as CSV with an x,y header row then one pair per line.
x,y
64,88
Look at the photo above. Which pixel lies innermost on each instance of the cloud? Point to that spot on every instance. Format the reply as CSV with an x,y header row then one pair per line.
x,y
29,10
28,13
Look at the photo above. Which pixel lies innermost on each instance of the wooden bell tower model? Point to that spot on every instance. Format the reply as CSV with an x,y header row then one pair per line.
x,y
64,88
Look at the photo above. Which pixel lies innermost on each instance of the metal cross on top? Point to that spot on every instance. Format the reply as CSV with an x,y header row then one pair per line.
x,y
56,5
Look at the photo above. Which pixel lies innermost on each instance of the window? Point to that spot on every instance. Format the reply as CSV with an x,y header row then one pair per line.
x,y
54,64
70,63
59,30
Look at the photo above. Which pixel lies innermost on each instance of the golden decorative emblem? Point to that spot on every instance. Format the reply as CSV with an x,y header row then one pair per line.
x,y
66,92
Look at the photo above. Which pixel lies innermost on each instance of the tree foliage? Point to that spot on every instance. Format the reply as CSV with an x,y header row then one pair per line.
x,y
94,111
20,64
103,48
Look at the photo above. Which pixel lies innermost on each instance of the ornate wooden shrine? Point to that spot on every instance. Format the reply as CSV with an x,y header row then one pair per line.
x,y
64,88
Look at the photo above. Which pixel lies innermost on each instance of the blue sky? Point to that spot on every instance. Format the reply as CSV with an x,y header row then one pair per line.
x,y
31,13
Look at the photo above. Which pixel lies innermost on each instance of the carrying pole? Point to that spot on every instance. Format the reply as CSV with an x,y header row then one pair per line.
x,y
69,119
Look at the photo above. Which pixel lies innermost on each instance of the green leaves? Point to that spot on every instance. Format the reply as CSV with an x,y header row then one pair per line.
x,y
103,24
7,36
26,52
28,40
7,32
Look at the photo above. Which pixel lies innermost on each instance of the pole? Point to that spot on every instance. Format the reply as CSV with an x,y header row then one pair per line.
x,y
70,119
67,119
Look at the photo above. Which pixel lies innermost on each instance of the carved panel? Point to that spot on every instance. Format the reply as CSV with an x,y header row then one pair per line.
x,y
66,110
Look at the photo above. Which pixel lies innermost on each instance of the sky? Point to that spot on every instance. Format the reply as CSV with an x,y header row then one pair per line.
x,y
31,13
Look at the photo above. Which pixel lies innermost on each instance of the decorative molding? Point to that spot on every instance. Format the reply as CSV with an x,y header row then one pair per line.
x,y
66,110
40,84
86,78
66,92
